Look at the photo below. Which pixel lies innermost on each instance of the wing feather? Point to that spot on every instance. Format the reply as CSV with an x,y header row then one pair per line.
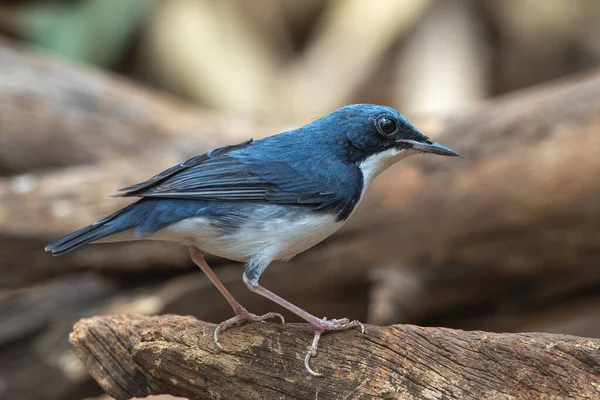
x,y
219,175
139,188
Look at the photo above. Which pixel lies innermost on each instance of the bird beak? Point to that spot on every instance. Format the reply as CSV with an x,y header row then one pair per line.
x,y
431,147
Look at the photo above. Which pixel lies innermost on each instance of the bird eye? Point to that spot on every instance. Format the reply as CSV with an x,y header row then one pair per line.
x,y
386,126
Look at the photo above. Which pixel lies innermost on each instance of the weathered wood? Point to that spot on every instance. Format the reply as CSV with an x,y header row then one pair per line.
x,y
138,356
53,114
526,180
37,319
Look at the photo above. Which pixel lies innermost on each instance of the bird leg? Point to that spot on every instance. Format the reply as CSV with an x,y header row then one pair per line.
x,y
241,314
321,325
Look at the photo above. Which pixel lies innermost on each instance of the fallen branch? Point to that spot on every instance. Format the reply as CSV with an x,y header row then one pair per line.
x,y
526,161
53,114
139,356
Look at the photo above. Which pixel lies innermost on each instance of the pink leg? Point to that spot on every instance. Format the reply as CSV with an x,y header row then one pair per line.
x,y
321,325
241,314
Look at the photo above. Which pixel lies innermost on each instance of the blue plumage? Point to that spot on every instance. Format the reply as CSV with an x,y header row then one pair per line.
x,y
265,200
307,166
317,167
145,216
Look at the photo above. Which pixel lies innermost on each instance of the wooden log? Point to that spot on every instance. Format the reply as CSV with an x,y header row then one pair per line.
x,y
53,114
37,319
139,356
526,182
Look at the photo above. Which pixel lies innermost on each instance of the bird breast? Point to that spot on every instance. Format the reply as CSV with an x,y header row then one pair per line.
x,y
273,232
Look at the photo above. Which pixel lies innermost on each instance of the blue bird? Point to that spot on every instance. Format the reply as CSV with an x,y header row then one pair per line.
x,y
265,200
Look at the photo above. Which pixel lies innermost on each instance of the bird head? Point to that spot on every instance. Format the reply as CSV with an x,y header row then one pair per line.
x,y
379,136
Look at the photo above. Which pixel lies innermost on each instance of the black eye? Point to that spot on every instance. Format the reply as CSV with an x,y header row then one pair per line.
x,y
386,126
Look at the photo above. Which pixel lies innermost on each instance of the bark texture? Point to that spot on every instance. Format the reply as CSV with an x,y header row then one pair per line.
x,y
139,356
506,238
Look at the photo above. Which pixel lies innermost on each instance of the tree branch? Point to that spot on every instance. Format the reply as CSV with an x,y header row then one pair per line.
x,y
139,356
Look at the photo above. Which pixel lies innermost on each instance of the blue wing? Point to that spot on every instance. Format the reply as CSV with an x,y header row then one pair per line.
x,y
139,189
247,172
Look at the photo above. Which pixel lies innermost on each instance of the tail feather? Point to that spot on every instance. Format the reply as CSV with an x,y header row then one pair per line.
x,y
91,233
146,216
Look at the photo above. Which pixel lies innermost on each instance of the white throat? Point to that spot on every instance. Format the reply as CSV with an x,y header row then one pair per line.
x,y
377,163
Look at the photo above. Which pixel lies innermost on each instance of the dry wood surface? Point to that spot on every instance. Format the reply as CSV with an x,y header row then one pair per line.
x,y
139,356
506,238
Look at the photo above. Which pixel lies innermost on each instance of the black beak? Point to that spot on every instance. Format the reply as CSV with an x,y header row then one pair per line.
x,y
430,147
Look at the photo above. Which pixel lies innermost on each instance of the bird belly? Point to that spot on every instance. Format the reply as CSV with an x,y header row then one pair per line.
x,y
273,238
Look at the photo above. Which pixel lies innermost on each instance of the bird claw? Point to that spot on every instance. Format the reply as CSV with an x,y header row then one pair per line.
x,y
308,368
239,319
324,326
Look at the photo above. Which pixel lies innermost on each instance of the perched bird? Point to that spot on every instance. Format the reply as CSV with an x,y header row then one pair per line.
x,y
265,200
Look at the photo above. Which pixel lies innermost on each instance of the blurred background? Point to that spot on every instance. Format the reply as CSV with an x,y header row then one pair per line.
x,y
96,95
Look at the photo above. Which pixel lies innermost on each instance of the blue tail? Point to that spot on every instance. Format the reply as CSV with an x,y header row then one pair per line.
x,y
146,216
110,225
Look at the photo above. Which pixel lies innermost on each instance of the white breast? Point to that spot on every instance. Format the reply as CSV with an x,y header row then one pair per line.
x,y
270,238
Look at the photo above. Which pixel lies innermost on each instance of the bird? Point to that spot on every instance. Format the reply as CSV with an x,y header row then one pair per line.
x,y
265,200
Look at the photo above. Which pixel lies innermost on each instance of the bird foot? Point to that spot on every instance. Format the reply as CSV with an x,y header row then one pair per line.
x,y
323,326
241,317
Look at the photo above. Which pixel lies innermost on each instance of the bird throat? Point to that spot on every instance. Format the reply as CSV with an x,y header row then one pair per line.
x,y
379,162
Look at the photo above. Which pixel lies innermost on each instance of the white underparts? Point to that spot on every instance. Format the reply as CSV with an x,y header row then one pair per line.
x,y
269,239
